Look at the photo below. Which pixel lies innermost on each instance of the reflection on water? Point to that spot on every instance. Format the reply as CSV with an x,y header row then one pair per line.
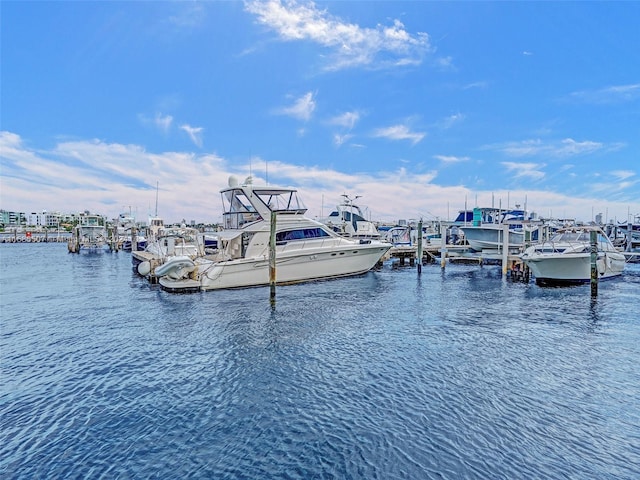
x,y
450,374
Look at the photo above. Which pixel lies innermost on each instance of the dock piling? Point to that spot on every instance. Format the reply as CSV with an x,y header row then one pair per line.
x,y
420,247
272,260
443,247
505,249
593,238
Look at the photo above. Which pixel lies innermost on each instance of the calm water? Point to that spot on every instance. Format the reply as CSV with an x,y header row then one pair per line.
x,y
385,376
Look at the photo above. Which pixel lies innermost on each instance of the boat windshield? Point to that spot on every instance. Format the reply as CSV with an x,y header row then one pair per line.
x,y
281,200
570,237
238,210
577,237
244,205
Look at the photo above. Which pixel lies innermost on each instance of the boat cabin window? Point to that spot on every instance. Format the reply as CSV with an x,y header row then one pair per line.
x,y
300,234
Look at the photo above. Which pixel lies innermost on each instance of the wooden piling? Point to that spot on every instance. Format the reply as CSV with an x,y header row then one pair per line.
x,y
593,238
272,259
505,249
443,247
420,247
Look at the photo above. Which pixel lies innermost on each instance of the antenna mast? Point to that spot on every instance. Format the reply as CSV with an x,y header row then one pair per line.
x,y
156,198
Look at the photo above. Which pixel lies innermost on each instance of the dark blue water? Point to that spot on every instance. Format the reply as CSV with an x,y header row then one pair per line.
x,y
386,376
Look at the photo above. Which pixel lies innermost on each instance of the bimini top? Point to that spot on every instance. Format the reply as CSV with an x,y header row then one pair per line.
x,y
247,203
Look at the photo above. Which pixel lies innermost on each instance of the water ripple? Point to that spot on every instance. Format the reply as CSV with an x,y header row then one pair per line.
x,y
456,374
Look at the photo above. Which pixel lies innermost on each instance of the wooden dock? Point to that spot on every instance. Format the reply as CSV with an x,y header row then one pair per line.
x,y
515,268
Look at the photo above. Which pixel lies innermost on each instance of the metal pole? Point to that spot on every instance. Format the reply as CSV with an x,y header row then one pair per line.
x,y
593,238
272,259
420,247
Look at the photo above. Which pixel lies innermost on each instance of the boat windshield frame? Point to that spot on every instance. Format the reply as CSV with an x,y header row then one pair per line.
x,y
245,205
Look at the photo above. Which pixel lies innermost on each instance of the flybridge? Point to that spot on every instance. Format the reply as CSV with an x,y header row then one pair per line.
x,y
244,204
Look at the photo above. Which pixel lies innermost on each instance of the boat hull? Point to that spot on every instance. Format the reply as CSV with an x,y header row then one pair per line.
x,y
291,267
490,237
559,269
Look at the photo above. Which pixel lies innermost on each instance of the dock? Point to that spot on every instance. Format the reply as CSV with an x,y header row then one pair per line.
x,y
515,268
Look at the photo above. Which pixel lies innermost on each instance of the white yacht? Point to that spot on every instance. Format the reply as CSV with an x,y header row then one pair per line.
x,y
348,220
176,241
566,257
304,249
89,235
486,231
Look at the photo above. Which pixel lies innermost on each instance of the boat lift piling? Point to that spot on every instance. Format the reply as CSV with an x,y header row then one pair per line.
x,y
505,249
593,238
272,260
443,247
420,247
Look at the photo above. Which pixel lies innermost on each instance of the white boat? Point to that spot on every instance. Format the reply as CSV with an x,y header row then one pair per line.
x,y
89,235
349,220
177,241
566,257
305,249
487,229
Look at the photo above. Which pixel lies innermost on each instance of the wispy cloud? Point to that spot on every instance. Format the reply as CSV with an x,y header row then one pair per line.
x,y
608,95
195,133
159,121
188,15
347,119
451,158
302,108
567,147
623,174
339,139
480,84
399,132
520,170
350,45
452,120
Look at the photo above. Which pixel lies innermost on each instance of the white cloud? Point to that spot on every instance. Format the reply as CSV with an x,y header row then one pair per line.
x,y
570,147
453,119
567,147
450,158
608,95
195,134
302,108
159,121
346,119
623,174
399,132
163,122
475,85
102,177
350,44
519,170
188,15
339,139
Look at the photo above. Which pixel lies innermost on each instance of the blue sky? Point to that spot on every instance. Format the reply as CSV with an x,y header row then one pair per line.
x,y
418,107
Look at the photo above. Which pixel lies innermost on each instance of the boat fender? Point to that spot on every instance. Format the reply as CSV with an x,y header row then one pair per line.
x,y
144,268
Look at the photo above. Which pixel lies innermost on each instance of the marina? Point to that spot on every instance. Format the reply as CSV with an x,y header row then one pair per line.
x,y
276,239
453,373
